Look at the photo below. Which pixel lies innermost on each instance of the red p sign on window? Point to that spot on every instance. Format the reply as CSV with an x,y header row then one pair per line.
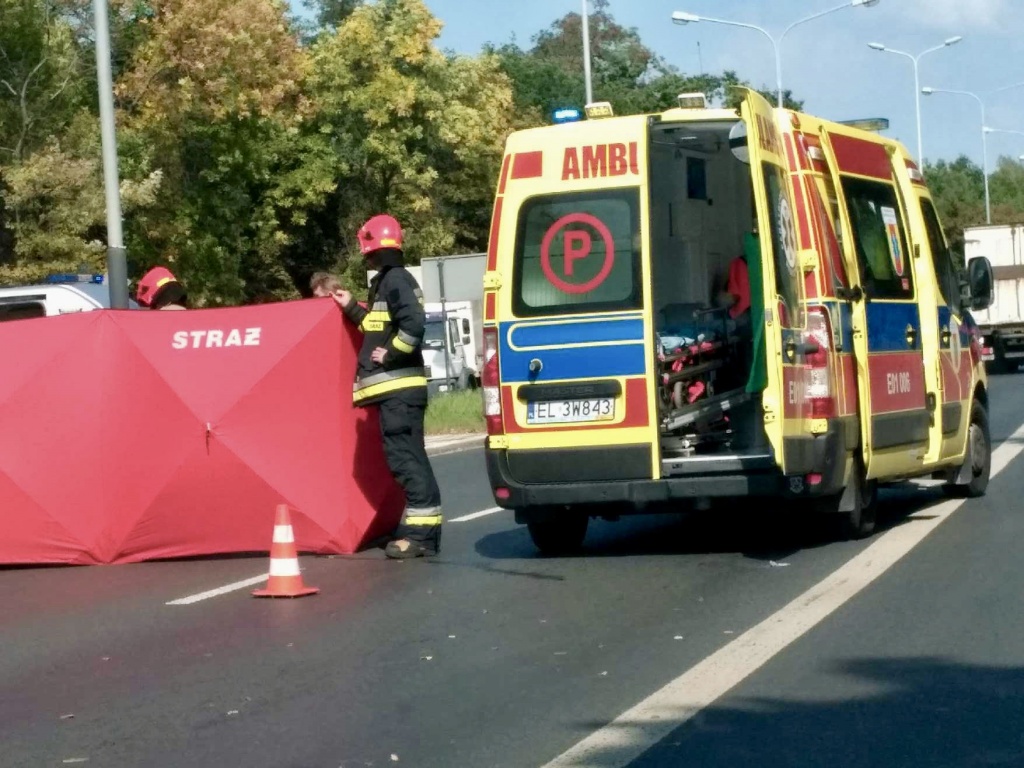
x,y
578,245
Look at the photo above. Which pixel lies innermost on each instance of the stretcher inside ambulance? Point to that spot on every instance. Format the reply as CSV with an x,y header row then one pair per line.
x,y
701,304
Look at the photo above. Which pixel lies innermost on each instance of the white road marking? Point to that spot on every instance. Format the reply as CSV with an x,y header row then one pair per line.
x,y
638,729
257,579
475,515
220,590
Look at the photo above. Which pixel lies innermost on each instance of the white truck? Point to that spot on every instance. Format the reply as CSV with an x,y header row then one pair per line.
x,y
1002,324
453,292
62,295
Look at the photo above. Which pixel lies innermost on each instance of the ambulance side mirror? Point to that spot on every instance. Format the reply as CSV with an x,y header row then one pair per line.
x,y
980,280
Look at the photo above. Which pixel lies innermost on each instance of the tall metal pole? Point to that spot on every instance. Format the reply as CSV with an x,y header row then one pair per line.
x,y
984,161
117,266
444,324
917,104
586,52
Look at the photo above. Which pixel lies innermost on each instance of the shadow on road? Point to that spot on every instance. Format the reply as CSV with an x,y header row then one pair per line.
x,y
919,712
763,534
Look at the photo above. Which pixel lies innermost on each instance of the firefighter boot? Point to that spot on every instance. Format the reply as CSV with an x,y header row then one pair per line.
x,y
419,534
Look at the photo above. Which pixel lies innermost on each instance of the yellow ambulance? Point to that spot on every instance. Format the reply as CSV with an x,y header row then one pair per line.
x,y
706,303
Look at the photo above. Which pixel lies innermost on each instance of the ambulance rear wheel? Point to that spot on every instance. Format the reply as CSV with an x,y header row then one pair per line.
x,y
558,532
979,456
859,521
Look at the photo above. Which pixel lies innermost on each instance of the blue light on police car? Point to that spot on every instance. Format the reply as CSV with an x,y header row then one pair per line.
x,y
566,115
70,278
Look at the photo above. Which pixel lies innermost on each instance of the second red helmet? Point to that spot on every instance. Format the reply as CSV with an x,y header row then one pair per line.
x,y
381,231
151,282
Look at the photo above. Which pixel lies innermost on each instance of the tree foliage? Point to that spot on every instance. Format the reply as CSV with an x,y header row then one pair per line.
x,y
625,72
252,144
958,188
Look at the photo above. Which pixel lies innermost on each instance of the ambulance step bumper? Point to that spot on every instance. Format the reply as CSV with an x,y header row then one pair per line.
x,y
513,494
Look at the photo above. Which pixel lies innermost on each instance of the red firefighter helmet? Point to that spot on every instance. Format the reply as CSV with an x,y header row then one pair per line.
x,y
381,231
151,282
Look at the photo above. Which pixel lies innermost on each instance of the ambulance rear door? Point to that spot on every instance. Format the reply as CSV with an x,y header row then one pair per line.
x,y
782,278
575,333
889,339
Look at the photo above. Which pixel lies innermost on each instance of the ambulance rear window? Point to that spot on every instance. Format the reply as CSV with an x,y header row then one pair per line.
x,y
578,253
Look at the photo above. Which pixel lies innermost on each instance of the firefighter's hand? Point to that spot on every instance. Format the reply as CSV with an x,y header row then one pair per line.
x,y
378,355
343,297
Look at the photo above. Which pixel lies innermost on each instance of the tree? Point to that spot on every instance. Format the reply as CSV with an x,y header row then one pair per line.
x,y
58,209
214,91
331,14
958,189
40,75
400,127
626,73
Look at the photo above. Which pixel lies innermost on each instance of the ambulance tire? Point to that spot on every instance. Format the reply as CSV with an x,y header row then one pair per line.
x,y
558,532
979,453
859,522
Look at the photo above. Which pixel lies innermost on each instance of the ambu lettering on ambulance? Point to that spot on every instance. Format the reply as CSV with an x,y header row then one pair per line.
x,y
216,339
600,160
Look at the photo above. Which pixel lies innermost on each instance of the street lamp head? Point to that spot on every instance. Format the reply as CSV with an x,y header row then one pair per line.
x,y
865,3
927,91
953,40
876,46
682,17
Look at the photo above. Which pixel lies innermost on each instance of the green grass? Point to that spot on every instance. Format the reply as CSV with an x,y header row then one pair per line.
x,y
455,412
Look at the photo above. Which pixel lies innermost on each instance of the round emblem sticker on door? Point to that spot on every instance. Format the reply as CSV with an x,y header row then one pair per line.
x,y
786,233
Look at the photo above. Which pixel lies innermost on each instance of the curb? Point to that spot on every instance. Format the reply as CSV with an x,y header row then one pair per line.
x,y
445,444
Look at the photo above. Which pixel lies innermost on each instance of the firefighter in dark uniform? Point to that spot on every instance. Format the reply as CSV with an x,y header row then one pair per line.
x,y
391,375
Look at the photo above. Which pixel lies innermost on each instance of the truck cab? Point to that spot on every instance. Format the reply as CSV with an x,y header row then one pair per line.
x,y
705,304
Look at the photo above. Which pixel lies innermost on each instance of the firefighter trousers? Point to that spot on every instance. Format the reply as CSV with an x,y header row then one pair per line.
x,y
401,424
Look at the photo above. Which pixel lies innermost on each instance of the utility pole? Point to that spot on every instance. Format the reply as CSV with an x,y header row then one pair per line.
x,y
117,266
586,52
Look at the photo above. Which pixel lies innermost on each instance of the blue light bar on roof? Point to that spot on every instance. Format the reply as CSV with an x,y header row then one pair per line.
x,y
67,278
566,115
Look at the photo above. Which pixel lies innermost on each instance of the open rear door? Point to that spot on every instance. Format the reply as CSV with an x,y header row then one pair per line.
x,y
783,317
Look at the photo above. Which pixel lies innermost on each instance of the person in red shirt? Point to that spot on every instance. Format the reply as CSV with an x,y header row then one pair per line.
x,y
736,296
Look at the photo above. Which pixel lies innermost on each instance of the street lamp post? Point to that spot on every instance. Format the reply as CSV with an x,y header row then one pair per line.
x,y
917,81
117,267
681,17
585,18
984,140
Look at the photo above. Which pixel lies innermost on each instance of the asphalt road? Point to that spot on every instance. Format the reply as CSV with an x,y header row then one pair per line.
x,y
493,656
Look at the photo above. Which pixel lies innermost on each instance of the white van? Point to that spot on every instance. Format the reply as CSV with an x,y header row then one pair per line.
x,y
65,294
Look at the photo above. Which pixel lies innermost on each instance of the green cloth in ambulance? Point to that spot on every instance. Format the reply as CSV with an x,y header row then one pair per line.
x,y
758,378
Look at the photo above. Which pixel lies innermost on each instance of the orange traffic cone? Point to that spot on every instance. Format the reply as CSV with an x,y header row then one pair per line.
x,y
285,579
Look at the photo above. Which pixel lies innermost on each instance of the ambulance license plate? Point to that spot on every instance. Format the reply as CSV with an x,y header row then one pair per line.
x,y
571,411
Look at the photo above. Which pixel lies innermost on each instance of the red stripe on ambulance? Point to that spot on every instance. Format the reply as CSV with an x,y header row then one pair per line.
x,y
528,165
504,174
864,158
897,382
492,243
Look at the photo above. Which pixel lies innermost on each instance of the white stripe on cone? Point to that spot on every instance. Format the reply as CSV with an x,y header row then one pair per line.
x,y
283,534
284,567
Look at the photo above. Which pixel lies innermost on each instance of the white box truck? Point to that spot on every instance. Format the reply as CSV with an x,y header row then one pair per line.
x,y
453,292
1002,324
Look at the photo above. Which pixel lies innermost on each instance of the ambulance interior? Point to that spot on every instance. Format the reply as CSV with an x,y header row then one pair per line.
x,y
702,221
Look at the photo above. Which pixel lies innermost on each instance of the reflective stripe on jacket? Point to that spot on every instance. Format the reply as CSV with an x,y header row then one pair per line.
x,y
393,319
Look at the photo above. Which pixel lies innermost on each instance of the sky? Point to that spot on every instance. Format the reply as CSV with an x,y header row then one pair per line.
x,y
826,62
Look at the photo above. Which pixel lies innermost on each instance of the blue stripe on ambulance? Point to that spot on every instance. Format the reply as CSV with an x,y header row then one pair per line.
x,y
614,347
887,325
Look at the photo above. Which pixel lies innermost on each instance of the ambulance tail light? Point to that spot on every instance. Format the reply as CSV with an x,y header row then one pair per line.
x,y
490,382
818,342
